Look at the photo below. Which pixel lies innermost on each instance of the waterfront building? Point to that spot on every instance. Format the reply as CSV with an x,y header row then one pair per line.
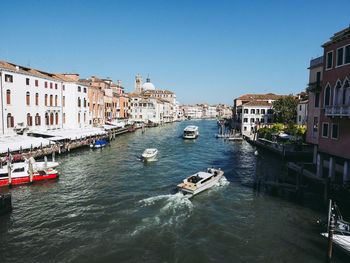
x,y
224,111
144,109
209,111
36,101
333,140
314,102
302,112
252,111
192,111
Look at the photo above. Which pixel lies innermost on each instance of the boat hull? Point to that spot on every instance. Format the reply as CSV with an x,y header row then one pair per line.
x,y
26,179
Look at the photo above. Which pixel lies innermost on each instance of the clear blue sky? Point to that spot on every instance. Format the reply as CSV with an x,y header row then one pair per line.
x,y
204,51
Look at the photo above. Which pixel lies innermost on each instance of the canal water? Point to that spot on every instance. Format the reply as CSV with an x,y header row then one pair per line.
x,y
107,206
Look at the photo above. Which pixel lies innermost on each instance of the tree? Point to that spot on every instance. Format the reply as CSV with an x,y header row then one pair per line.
x,y
285,110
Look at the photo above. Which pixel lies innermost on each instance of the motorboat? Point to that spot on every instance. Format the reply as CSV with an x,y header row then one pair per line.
x,y
36,165
190,132
341,228
222,135
98,144
200,181
235,138
149,154
20,174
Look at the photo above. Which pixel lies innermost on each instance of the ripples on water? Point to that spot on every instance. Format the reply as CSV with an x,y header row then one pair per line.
x,y
108,206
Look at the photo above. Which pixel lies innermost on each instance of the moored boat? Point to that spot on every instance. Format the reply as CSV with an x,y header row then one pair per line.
x,y
20,174
149,154
190,132
98,144
200,181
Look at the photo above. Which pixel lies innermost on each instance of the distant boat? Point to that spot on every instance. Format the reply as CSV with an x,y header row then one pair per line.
x,y
149,154
190,132
200,181
222,135
98,144
235,138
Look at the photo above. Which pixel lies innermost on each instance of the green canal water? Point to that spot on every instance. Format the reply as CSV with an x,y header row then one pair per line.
x,y
107,206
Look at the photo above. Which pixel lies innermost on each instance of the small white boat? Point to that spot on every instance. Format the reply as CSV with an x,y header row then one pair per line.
x,y
149,154
222,135
200,181
235,138
190,132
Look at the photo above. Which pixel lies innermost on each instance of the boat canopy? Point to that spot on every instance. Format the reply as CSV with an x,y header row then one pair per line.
x,y
191,128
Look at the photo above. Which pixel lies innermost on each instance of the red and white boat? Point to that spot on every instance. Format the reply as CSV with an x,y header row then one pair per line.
x,y
20,173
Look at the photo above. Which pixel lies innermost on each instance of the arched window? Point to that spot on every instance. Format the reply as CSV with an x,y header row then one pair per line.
x,y
64,118
337,100
37,99
346,93
51,118
78,117
45,99
37,120
56,100
56,118
28,98
84,117
79,102
64,101
51,99
29,120
327,96
8,96
10,121
84,102
47,119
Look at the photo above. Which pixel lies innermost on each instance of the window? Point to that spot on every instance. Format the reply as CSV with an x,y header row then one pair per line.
x,y
347,54
84,90
263,111
27,81
340,54
252,120
79,89
64,101
252,111
325,129
299,118
257,111
37,119
36,83
315,126
51,85
36,99
262,120
335,131
245,111
47,119
51,100
345,88
63,87
84,102
78,117
51,118
64,118
29,120
8,96
84,117
245,128
8,78
56,100
79,102
327,95
56,118
329,62
45,84
299,107
317,100
28,98
10,121
55,85
270,111
45,99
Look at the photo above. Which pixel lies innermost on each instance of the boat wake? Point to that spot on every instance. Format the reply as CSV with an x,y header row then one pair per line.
x,y
222,182
171,210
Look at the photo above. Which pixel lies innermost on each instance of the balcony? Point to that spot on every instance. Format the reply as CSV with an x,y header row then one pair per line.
x,y
314,86
338,111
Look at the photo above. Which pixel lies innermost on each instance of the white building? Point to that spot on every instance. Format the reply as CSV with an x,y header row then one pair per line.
x,y
209,111
193,112
145,109
302,113
254,113
37,101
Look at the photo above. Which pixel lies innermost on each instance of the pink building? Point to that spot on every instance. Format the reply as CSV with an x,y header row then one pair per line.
x,y
333,153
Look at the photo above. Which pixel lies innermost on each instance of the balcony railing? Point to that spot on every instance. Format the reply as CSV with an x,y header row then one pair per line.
x,y
338,111
314,86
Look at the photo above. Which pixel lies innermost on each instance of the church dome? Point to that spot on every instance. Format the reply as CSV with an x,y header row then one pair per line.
x,y
148,85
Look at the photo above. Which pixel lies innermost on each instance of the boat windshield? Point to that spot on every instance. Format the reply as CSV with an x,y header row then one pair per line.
x,y
194,179
188,132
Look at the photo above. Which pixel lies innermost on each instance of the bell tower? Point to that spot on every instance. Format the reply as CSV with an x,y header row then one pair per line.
x,y
138,83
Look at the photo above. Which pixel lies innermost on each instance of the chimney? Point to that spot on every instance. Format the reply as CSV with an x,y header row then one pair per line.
x,y
17,68
93,78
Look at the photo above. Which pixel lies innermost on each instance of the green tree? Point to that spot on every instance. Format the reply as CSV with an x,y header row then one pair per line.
x,y
285,110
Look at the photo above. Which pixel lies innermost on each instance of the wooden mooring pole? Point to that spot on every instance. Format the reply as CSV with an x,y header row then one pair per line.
x,y
9,172
30,171
330,238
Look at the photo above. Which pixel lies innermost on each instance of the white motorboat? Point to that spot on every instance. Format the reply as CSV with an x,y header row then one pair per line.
x,y
190,132
235,138
200,181
149,154
37,166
